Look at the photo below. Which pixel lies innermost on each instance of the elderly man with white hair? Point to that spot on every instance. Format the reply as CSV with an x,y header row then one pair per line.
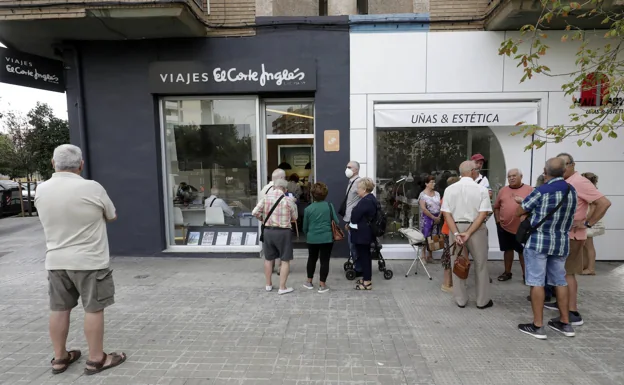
x,y
277,213
507,222
74,212
465,207
278,174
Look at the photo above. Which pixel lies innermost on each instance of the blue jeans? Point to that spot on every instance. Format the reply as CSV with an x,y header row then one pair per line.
x,y
543,269
357,262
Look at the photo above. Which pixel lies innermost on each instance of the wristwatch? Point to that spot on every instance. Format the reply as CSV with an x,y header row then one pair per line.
x,y
455,234
587,225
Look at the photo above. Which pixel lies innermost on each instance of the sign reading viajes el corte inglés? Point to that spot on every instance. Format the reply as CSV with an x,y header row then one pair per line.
x,y
31,71
233,77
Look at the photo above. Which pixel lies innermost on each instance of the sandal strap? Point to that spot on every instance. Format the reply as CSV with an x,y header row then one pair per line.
x,y
96,364
65,361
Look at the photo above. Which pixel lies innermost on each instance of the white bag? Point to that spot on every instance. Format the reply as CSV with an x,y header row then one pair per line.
x,y
596,230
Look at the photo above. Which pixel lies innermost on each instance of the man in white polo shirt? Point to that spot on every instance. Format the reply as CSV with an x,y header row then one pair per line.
x,y
74,212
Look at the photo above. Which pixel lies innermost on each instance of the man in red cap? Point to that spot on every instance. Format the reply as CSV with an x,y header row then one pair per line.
x,y
481,179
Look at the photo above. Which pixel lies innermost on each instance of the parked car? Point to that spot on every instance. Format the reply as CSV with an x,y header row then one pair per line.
x,y
11,203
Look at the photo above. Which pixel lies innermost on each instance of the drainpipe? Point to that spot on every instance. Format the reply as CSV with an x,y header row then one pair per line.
x,y
75,81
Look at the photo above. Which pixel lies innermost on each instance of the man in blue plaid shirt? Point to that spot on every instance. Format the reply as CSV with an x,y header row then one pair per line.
x,y
548,246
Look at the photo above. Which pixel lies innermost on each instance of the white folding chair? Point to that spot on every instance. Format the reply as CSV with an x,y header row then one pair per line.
x,y
214,216
418,242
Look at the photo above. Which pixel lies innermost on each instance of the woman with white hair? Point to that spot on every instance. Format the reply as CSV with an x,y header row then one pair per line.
x,y
361,231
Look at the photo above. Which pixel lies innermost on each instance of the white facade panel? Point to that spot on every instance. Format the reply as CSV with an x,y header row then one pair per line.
x,y
464,62
609,245
388,63
464,69
358,111
358,145
560,58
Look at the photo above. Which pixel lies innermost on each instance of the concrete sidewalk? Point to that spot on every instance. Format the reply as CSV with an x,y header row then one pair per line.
x,y
209,321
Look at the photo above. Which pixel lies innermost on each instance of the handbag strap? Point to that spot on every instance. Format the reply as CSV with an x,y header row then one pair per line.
x,y
331,217
349,189
272,209
550,214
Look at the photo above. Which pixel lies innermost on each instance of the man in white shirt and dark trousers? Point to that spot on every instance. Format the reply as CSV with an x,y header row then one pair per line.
x,y
465,207
74,212
214,201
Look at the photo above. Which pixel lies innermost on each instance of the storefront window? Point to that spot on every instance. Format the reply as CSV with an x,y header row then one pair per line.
x,y
290,118
211,168
406,156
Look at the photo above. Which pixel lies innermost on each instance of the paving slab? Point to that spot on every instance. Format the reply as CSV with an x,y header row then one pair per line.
x,y
210,322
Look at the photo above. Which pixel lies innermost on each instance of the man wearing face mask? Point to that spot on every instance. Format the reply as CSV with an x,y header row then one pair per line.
x,y
351,199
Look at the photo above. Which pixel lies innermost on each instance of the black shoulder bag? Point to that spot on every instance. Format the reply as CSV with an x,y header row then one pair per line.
x,y
525,230
343,206
267,218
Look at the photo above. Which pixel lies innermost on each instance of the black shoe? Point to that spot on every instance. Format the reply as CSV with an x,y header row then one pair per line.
x,y
489,304
551,305
565,329
532,330
460,306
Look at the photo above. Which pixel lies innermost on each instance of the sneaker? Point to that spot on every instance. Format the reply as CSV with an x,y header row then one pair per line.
x,y
532,330
551,306
323,289
575,320
269,288
447,289
308,285
565,329
285,291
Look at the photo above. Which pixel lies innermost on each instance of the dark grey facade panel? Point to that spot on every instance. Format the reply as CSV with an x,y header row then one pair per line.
x,y
122,118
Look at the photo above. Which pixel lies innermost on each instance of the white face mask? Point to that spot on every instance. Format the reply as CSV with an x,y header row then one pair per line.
x,y
349,173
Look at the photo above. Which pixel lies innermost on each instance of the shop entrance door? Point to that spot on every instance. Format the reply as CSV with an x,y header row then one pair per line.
x,y
288,130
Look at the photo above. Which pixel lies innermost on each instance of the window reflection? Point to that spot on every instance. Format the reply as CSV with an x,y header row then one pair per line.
x,y
290,118
212,170
405,157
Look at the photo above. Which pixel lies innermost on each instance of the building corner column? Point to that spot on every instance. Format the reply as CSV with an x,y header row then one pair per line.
x,y
341,7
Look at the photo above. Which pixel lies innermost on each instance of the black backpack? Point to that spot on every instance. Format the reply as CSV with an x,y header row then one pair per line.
x,y
379,222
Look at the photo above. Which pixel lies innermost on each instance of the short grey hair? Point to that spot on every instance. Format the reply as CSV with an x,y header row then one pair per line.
x,y
467,167
570,158
555,167
368,184
356,164
515,169
278,174
280,183
67,157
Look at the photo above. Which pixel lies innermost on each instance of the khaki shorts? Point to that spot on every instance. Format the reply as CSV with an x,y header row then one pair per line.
x,y
574,262
96,287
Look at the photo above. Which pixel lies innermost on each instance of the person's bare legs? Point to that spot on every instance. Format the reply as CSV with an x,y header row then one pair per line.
x,y
521,258
94,333
562,302
448,278
59,329
589,260
268,271
537,303
508,255
572,293
284,271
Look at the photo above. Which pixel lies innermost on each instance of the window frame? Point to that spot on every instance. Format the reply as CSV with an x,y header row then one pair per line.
x,y
168,209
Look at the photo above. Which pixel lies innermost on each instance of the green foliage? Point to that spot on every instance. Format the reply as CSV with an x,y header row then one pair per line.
x,y
29,142
598,61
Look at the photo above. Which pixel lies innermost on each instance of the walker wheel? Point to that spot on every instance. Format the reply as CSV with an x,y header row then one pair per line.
x,y
350,275
388,274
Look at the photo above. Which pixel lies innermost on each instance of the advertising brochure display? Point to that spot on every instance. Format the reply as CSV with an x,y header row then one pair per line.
x,y
221,236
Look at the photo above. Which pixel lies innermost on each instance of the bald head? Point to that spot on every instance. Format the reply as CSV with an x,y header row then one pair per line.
x,y
555,168
466,169
278,174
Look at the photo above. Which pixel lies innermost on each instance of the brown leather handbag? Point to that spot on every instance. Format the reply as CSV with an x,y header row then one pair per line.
x,y
337,232
461,268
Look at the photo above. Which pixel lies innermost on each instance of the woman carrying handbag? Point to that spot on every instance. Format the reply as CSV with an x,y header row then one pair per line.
x,y
321,229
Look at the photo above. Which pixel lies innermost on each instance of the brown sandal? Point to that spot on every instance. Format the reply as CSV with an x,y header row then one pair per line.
x,y
116,360
72,356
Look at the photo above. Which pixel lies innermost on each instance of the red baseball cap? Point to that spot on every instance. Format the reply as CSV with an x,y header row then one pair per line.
x,y
476,157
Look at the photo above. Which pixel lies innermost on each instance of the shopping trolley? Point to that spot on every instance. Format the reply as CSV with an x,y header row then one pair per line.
x,y
418,242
